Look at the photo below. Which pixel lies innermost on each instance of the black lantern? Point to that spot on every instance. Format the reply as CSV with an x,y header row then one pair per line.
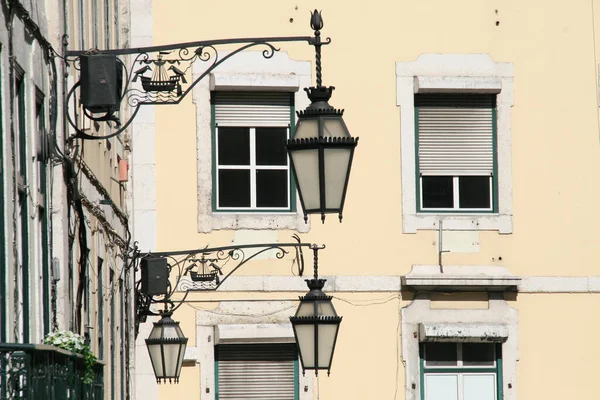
x,y
321,150
316,326
166,345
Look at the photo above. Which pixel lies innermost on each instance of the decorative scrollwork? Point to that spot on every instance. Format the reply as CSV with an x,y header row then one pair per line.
x,y
206,269
159,75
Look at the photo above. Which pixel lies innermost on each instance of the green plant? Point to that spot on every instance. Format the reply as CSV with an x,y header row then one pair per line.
x,y
74,342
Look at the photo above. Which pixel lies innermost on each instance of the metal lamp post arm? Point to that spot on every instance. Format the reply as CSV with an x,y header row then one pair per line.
x,y
169,88
206,269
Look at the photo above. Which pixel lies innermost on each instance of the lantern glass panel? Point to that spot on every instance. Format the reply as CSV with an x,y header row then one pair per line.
x,y
305,335
306,169
327,335
334,127
306,309
155,357
172,361
307,128
337,162
325,308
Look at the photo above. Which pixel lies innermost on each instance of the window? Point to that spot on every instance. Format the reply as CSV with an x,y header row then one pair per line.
x,y
455,140
266,370
461,371
23,226
251,165
455,127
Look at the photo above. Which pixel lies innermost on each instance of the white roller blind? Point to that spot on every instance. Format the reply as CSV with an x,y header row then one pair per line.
x,y
252,109
258,371
256,380
455,134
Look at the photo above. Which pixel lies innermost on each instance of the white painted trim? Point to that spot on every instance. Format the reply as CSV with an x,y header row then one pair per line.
x,y
246,71
451,73
243,322
463,332
499,313
452,277
393,283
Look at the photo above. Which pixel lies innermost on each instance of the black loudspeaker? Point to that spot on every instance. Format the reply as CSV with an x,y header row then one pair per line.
x,y
155,276
101,82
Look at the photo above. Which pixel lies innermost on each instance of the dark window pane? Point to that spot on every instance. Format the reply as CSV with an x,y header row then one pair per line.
x,y
271,188
234,146
438,192
474,191
440,354
270,146
234,188
481,354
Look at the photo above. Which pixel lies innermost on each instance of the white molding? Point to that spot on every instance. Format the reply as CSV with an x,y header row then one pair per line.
x,y
393,283
475,73
463,332
458,278
243,322
246,71
499,317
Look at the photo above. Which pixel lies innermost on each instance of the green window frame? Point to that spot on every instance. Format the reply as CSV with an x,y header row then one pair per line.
x,y
460,370
460,172
247,359
254,130
40,113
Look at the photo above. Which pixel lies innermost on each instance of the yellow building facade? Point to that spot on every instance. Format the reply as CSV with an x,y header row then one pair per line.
x,y
465,265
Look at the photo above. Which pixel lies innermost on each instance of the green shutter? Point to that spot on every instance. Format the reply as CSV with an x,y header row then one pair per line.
x,y
455,134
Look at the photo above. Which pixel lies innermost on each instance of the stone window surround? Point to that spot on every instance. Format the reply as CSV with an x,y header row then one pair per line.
x,y
246,71
499,321
452,73
227,324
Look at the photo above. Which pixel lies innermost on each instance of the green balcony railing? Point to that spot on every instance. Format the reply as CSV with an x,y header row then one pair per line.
x,y
38,371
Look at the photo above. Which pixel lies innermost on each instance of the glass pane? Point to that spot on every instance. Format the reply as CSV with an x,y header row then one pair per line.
x,y
474,191
336,170
478,354
327,336
438,192
441,387
306,169
479,387
306,128
270,146
271,188
334,127
305,334
234,146
440,354
234,188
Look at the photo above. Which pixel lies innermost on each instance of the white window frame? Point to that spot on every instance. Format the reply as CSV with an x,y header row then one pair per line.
x,y
237,322
252,167
247,71
455,73
498,323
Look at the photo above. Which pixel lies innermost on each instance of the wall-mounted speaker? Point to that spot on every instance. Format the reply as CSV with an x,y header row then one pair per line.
x,y
101,82
155,276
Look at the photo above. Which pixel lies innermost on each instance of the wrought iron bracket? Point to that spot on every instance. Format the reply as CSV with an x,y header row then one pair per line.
x,y
206,269
162,75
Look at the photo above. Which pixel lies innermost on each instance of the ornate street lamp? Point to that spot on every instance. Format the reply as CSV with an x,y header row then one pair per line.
x,y
316,325
166,346
322,149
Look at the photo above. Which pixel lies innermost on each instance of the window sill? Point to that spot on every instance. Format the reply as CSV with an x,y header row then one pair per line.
x,y
252,220
471,222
